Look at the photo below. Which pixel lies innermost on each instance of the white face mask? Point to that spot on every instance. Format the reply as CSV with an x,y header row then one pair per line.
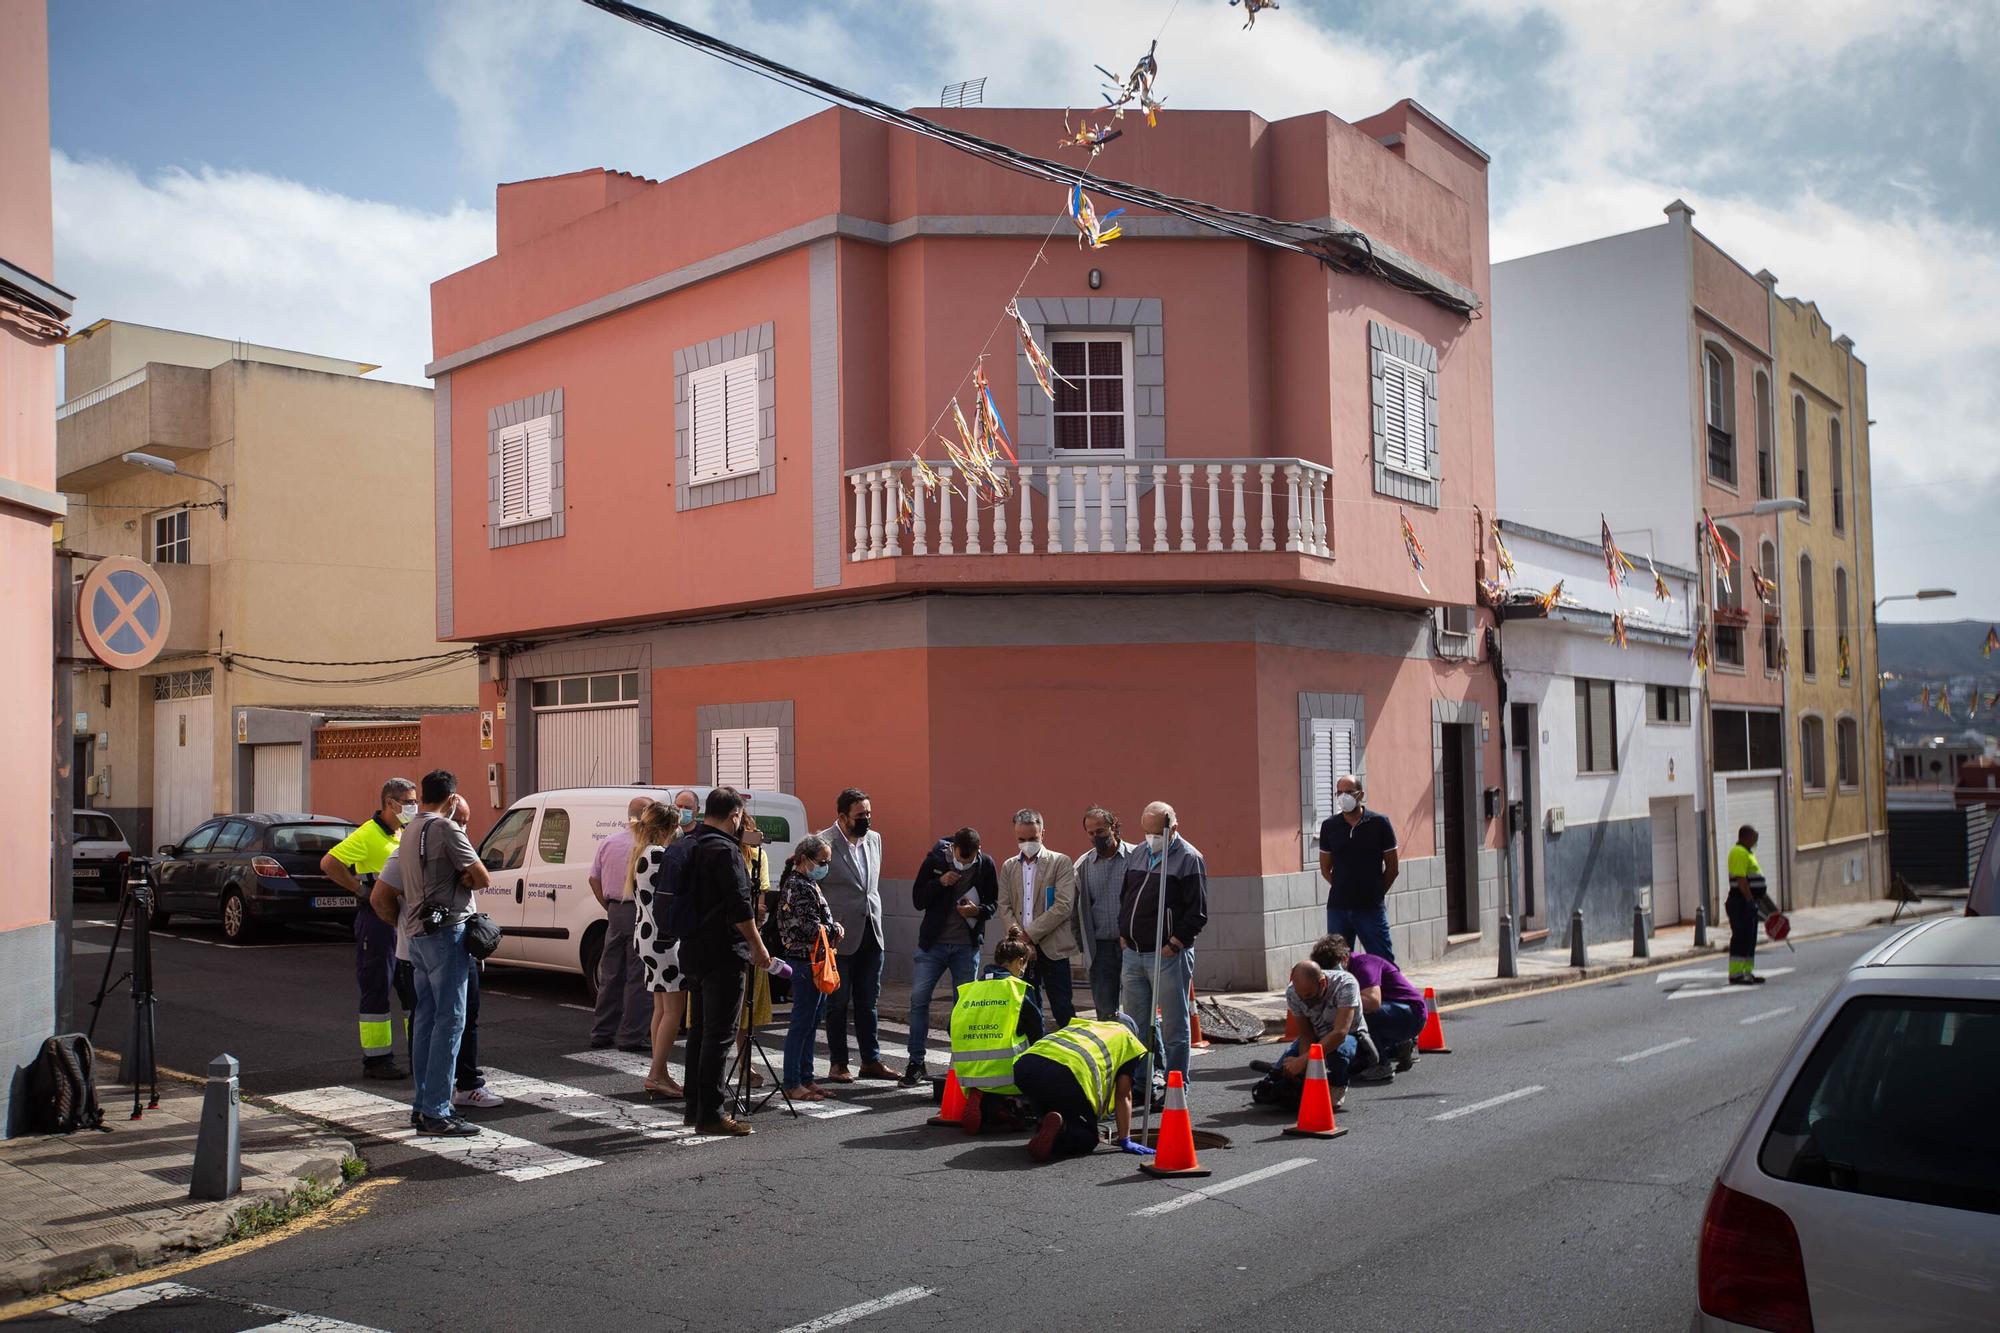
x,y
1156,843
1347,803
408,813
963,866
1031,849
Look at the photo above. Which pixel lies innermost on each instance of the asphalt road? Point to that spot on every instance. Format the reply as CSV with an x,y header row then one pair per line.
x,y
1550,1173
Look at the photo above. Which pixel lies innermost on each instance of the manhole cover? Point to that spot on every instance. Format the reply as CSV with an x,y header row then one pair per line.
x,y
1203,1138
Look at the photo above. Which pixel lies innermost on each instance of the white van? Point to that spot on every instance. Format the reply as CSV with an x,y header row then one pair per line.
x,y
539,856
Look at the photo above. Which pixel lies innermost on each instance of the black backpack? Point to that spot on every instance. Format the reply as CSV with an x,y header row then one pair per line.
x,y
676,911
62,1088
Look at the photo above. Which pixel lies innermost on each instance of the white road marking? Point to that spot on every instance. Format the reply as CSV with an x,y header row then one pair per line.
x,y
1768,1013
1222,1187
490,1150
650,1122
1688,974
584,1007
631,1062
310,1323
1661,1049
100,1308
861,1311
1501,1100
1696,992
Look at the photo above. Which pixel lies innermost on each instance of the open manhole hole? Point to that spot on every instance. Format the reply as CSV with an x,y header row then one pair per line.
x,y
1203,1138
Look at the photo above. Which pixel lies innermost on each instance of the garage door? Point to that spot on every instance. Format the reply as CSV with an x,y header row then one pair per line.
x,y
586,731
276,777
1666,863
1752,801
183,753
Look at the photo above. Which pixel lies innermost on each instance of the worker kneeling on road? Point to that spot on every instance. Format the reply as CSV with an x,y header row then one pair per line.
x,y
994,1020
1073,1077
1328,1006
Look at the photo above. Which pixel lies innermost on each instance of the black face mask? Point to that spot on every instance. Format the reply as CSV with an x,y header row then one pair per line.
x,y
860,825
1105,841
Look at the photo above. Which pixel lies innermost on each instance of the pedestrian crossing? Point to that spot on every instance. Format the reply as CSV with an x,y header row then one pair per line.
x,y
380,1118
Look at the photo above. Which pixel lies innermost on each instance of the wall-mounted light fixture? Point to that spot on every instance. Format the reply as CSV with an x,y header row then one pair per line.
x,y
1096,278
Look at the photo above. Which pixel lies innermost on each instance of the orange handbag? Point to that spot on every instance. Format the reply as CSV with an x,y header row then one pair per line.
x,y
826,971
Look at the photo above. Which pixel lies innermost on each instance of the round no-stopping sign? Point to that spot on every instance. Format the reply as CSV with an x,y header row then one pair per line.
x,y
122,612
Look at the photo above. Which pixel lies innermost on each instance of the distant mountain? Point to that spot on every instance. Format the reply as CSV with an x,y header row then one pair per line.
x,y
1943,658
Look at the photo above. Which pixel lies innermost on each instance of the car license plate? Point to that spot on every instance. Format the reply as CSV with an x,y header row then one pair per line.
x,y
333,902
84,872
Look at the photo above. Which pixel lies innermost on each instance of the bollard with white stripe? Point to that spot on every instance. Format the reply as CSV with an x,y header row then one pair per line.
x,y
1701,925
1579,956
218,1160
1642,947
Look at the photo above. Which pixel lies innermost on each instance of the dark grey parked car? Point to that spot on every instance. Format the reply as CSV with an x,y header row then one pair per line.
x,y
252,870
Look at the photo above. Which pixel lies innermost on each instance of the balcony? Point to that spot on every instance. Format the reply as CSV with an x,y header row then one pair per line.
x,y
157,409
1232,507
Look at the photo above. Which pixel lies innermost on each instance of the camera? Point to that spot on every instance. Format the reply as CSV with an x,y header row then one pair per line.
x,y
431,918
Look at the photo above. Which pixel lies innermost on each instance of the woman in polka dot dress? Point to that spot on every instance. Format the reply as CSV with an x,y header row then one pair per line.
x,y
658,828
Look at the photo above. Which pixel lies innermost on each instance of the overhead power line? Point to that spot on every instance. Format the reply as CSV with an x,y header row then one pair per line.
x,y
1347,251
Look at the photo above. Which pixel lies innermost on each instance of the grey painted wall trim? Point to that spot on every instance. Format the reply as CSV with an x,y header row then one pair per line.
x,y
548,403
571,659
1383,340
711,718
273,726
878,233
441,550
948,620
1140,316
760,341
1463,713
823,335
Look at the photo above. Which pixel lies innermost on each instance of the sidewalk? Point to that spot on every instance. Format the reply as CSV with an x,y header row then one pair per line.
x,y
90,1205
1471,976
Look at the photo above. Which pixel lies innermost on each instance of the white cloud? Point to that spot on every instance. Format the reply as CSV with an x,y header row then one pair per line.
x,y
239,254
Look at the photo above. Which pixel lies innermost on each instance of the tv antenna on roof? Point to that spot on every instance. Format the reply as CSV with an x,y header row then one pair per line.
x,y
970,93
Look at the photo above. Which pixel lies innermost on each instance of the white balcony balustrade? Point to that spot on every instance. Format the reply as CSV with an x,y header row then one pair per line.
x,y
1122,506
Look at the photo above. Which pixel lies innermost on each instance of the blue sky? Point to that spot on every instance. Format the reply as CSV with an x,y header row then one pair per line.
x,y
298,174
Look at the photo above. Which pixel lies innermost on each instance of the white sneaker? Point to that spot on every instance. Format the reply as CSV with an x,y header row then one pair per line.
x,y
479,1098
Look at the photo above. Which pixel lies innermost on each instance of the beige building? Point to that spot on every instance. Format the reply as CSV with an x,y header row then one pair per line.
x,y
309,541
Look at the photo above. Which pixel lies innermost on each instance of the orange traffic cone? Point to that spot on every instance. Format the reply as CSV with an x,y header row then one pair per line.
x,y
953,1110
1316,1105
1431,1040
1199,1042
1175,1141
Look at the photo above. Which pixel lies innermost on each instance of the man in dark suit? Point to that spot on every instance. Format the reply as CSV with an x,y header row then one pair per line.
x,y
853,889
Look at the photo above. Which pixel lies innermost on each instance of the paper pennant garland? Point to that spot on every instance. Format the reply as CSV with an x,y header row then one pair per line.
x,y
1137,87
1086,135
1618,631
1845,671
1617,568
1251,8
1502,555
1547,601
1944,700
1038,361
1414,549
1719,554
1992,642
1700,650
1090,228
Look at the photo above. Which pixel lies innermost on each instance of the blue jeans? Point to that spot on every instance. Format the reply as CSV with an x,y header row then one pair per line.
x,y
1339,1059
1058,988
806,1004
440,965
1370,924
1107,965
860,988
1135,990
962,960
1396,1022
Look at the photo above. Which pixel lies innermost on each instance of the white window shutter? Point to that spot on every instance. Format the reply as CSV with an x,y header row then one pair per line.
x,y
540,434
740,394
1406,427
746,758
1332,755
513,473
707,438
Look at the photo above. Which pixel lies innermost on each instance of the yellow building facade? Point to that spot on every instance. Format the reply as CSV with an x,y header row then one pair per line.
x,y
323,554
1827,594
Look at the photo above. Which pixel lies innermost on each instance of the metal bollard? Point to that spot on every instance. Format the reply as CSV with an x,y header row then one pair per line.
x,y
218,1158
1510,963
1578,955
1641,946
1701,926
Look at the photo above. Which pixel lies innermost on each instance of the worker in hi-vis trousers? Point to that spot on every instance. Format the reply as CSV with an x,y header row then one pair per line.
x,y
353,865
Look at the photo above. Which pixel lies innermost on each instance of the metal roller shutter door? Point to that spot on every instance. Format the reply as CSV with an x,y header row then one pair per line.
x,y
586,747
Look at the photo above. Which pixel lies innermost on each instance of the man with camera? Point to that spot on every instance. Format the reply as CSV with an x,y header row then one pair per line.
x,y
439,872
721,936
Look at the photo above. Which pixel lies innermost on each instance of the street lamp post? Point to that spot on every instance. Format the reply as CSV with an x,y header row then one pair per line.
x,y
167,466
1705,599
1879,813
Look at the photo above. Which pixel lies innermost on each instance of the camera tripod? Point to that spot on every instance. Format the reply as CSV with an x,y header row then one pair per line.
x,y
741,1099
141,1051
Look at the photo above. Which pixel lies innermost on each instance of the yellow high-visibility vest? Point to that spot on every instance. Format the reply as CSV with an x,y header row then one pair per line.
x,y
985,1034
1094,1051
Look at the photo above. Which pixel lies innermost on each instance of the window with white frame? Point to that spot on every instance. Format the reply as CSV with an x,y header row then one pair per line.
x,y
1596,726
171,545
527,470
1093,411
1332,755
745,758
1406,435
723,419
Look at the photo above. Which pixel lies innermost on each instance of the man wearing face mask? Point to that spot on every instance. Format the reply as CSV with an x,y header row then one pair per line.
x,y
1038,894
957,890
853,889
689,804
1100,874
1163,906
353,865
1357,858
714,954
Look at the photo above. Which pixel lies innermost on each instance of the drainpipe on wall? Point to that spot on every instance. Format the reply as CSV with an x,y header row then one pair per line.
x,y
1786,820
1510,925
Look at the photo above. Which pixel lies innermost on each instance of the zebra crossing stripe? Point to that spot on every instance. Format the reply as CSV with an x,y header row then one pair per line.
x,y
379,1117
651,1122
631,1062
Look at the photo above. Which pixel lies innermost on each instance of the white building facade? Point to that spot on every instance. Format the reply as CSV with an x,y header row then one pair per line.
x,y
1603,741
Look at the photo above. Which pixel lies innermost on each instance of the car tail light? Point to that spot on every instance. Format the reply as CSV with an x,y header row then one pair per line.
x,y
125,856
269,869
1751,1270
